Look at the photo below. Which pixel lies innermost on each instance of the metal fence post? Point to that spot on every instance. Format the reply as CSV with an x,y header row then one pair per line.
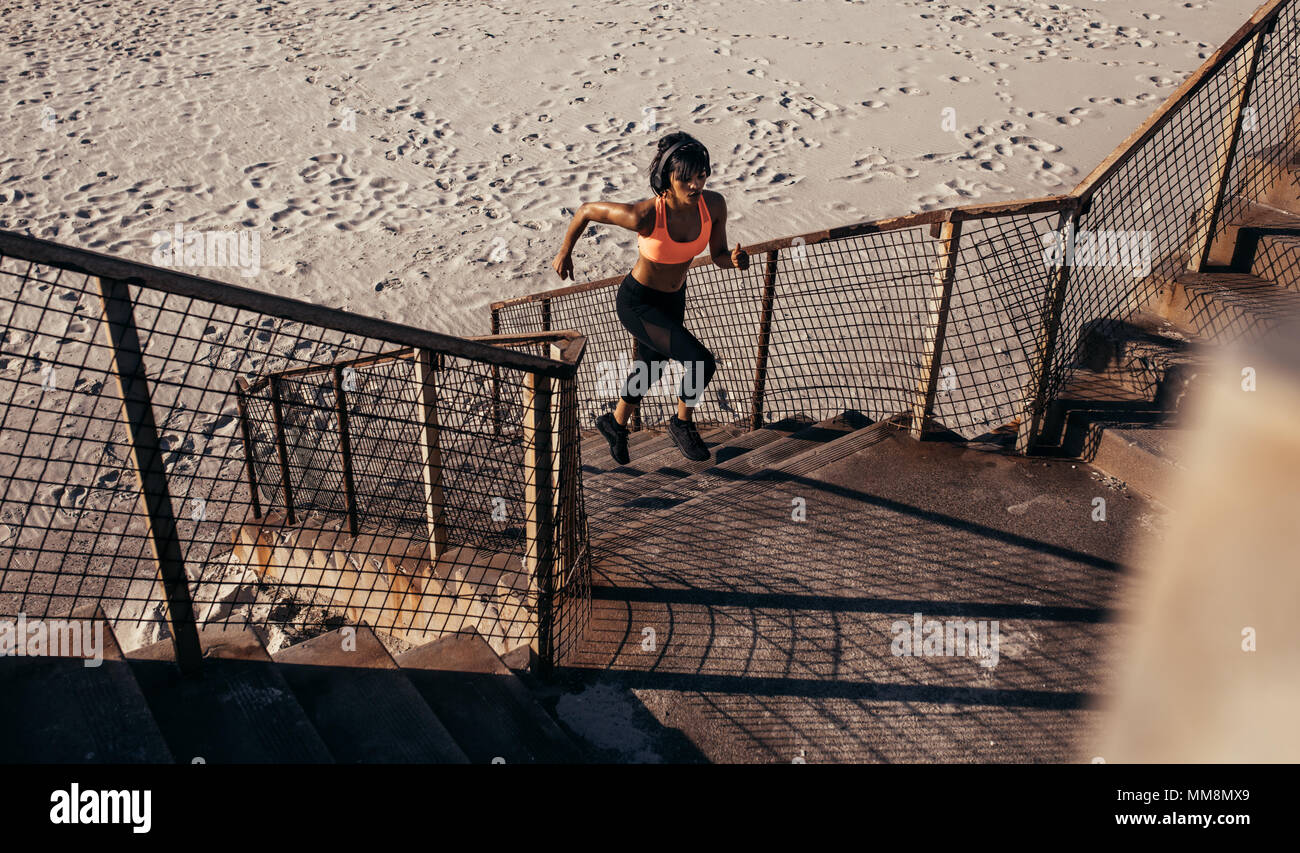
x,y
345,445
1207,217
563,601
565,448
764,336
1034,401
146,453
558,444
935,330
241,387
634,417
277,414
496,377
539,554
431,452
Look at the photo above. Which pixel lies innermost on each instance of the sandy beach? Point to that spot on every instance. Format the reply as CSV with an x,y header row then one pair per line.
x,y
417,161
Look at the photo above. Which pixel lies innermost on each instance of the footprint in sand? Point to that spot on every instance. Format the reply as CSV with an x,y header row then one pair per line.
x,y
1050,173
323,165
611,125
70,500
867,168
805,104
1035,145
962,188
255,180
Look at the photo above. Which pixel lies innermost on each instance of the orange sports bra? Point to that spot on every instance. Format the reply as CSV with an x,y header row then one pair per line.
x,y
662,248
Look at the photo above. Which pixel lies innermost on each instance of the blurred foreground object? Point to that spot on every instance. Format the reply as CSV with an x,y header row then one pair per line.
x,y
1225,579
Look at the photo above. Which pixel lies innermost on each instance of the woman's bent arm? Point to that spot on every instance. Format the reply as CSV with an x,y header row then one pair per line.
x,y
610,212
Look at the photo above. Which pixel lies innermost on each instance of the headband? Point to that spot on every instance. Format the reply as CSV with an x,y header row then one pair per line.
x,y
663,164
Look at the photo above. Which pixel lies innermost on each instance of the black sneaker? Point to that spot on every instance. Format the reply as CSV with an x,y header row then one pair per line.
x,y
616,435
687,439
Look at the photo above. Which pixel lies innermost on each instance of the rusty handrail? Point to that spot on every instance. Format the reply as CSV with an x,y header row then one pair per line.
x,y
575,346
871,226
174,282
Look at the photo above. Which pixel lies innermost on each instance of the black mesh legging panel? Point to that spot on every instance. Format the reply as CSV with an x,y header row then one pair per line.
x,y
655,320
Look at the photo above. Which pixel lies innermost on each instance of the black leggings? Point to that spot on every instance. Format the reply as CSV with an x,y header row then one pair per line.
x,y
655,319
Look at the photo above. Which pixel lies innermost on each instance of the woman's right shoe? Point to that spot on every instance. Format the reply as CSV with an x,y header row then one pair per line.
x,y
616,435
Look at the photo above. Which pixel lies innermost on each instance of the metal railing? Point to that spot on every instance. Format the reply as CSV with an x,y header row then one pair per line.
x,y
960,316
279,464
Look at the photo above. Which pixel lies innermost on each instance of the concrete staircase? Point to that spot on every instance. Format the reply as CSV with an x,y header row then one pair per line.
x,y
644,496
337,698
1121,409
390,583
744,603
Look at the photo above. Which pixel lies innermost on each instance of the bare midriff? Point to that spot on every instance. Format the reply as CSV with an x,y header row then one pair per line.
x,y
657,276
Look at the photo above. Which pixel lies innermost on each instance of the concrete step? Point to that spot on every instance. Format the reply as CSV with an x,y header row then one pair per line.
x,y
613,498
362,705
239,710
611,492
1224,308
676,468
484,705
58,710
791,438
1273,173
1145,458
594,449
666,450
1091,396
795,454
1151,356
652,451
1276,258
1252,221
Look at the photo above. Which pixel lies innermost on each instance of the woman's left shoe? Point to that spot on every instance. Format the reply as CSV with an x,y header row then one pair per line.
x,y
616,434
687,439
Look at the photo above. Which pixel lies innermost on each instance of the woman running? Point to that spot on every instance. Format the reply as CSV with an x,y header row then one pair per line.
x,y
672,228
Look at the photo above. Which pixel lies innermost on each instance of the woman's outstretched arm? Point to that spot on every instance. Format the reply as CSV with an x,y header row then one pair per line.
x,y
610,212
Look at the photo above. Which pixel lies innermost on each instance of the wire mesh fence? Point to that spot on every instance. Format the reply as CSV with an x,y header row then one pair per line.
x,y
1000,299
1264,162
294,469
1160,198
845,326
